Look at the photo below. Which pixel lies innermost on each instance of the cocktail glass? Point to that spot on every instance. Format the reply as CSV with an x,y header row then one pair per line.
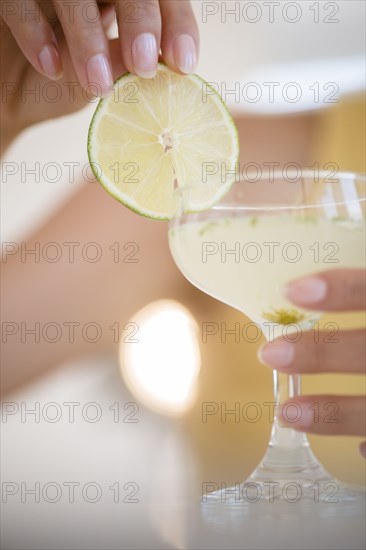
x,y
242,251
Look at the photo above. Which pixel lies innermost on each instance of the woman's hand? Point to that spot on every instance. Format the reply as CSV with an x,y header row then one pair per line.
x,y
336,290
66,41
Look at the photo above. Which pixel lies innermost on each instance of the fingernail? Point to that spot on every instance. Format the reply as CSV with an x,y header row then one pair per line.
x,y
306,291
292,414
185,53
108,17
145,55
99,73
49,60
278,354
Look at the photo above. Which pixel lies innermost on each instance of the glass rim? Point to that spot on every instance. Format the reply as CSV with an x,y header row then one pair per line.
x,y
276,176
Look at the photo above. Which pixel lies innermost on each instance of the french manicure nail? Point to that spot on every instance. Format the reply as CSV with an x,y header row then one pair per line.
x,y
292,414
49,60
99,73
108,17
145,55
306,291
278,354
185,55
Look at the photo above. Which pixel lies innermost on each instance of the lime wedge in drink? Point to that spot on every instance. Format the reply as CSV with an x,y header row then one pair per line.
x,y
149,137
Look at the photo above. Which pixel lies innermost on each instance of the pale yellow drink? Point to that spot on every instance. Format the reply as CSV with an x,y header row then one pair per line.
x,y
245,261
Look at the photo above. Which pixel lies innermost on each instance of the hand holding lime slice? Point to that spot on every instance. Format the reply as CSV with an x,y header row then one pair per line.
x,y
151,136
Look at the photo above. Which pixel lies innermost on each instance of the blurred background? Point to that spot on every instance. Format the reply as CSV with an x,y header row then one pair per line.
x,y
159,386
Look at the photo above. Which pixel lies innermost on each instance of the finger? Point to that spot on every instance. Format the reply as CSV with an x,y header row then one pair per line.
x,y
72,98
117,65
87,43
335,290
317,352
34,36
180,39
325,414
139,26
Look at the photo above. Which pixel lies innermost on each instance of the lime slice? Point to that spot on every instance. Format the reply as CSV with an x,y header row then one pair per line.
x,y
150,137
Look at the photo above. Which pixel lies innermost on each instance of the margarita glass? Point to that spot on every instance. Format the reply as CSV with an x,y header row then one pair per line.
x,y
242,251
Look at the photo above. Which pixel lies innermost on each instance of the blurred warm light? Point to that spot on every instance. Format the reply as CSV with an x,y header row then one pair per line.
x,y
161,367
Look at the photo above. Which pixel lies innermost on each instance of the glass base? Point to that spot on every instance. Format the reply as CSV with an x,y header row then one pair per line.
x,y
288,491
296,514
280,479
288,463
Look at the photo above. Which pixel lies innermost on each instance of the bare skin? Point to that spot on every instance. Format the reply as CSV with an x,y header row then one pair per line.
x,y
108,291
76,290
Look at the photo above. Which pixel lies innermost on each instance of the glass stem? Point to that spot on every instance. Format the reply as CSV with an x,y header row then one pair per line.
x,y
288,455
286,387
